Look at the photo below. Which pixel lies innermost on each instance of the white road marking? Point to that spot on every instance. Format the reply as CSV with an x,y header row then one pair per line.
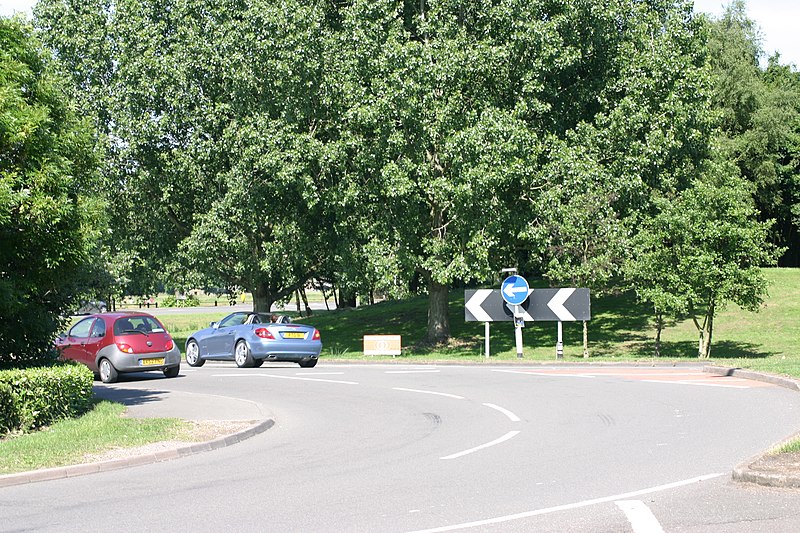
x,y
702,384
509,414
429,392
321,373
249,374
412,371
534,373
570,506
509,435
640,516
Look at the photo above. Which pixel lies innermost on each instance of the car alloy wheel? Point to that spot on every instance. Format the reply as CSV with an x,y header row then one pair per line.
x,y
108,374
242,355
193,354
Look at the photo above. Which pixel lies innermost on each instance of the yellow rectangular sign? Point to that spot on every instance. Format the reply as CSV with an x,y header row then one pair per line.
x,y
382,345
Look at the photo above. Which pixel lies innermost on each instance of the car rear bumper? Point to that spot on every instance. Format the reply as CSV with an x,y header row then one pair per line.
x,y
285,350
140,362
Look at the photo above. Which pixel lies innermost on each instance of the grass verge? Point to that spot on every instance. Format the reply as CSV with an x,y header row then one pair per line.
x,y
70,441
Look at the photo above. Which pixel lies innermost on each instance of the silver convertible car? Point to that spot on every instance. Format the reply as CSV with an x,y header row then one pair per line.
x,y
252,338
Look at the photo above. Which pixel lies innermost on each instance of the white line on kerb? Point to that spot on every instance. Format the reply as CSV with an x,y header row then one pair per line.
x,y
429,392
698,383
640,516
412,371
511,416
509,435
549,374
248,374
570,506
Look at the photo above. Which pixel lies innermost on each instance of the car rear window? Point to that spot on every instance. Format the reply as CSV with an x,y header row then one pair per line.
x,y
144,324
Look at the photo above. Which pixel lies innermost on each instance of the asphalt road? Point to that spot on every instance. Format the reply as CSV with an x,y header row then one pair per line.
x,y
449,448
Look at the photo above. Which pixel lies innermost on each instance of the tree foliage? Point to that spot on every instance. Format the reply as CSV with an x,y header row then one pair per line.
x,y
46,226
703,249
397,144
760,122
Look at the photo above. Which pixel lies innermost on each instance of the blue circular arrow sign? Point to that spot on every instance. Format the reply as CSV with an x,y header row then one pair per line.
x,y
514,290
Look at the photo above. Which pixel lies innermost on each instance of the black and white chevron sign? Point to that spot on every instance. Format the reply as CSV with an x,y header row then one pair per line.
x,y
556,305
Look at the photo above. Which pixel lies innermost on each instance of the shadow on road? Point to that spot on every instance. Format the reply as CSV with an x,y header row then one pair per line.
x,y
128,397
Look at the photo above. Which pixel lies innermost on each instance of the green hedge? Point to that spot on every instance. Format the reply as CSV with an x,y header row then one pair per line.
x,y
171,301
31,398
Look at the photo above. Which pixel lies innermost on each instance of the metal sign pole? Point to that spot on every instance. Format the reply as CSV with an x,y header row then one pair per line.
x,y
486,330
519,323
560,342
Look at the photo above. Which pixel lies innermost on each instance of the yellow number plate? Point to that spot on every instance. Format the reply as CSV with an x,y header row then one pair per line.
x,y
294,335
148,362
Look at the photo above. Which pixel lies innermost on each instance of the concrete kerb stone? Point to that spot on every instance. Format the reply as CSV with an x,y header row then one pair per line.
x,y
745,472
49,474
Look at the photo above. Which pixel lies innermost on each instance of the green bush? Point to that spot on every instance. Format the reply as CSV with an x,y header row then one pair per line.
x,y
171,301
31,398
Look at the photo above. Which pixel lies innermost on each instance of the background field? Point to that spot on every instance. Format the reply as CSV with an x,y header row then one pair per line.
x,y
621,329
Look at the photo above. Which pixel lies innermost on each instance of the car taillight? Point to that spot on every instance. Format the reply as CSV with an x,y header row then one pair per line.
x,y
124,347
264,333
170,345
316,336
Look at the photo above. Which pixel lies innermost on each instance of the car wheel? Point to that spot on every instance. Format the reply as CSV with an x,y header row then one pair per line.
x,y
308,363
242,355
108,374
172,371
193,354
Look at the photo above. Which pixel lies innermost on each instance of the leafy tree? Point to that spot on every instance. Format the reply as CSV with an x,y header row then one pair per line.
x,y
648,135
217,117
703,249
47,227
760,122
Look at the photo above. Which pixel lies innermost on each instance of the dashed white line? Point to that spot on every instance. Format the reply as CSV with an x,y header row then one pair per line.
x,y
570,506
507,436
640,516
430,392
258,374
511,416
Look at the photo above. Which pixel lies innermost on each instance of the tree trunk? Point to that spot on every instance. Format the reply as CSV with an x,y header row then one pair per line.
x,y
438,315
324,295
262,299
297,302
304,296
706,331
347,298
659,328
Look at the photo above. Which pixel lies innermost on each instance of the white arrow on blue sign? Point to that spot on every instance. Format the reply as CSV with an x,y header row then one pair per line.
x,y
514,290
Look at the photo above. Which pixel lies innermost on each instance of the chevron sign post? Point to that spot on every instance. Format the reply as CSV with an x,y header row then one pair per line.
x,y
554,305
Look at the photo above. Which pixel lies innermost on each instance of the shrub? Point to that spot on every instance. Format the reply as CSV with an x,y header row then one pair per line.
x,y
172,301
31,398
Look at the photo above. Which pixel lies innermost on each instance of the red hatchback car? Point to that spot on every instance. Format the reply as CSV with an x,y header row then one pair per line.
x,y
112,343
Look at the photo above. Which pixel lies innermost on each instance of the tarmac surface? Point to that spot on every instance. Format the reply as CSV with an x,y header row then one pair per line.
x,y
764,469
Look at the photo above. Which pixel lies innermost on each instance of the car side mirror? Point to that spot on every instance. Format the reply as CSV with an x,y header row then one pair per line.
x,y
214,325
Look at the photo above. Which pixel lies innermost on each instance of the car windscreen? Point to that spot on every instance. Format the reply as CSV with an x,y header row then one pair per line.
x,y
133,324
